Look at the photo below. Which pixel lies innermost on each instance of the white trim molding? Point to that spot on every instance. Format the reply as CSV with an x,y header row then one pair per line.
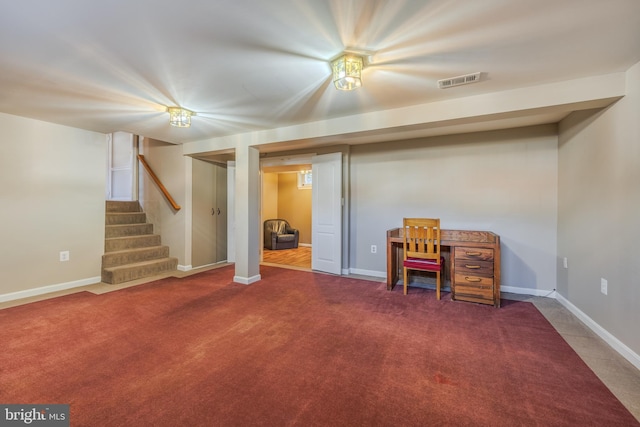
x,y
361,272
614,342
247,280
12,296
547,293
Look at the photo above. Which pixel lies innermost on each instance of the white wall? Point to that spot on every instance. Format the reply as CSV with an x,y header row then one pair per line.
x,y
170,166
599,213
500,181
52,192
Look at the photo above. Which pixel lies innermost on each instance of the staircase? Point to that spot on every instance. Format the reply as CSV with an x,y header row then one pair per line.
x,y
131,249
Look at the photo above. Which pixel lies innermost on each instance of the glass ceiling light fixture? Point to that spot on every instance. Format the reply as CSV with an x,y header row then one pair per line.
x,y
347,71
179,117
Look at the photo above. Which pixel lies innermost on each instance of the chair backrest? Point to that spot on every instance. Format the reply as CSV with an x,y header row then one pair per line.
x,y
279,226
421,237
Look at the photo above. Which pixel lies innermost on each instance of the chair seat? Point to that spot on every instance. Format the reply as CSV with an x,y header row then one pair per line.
x,y
286,237
423,264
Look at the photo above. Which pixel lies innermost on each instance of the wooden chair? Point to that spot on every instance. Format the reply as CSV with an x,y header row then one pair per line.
x,y
422,248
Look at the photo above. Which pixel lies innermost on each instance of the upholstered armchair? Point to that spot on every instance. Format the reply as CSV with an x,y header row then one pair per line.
x,y
278,234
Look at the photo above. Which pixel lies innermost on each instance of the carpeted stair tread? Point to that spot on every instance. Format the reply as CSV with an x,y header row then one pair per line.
x,y
120,206
131,242
132,251
127,256
115,218
138,270
122,230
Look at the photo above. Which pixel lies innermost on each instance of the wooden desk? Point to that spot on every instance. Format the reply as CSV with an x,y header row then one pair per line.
x,y
474,263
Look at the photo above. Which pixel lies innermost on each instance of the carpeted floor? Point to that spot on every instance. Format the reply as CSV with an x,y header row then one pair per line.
x,y
296,348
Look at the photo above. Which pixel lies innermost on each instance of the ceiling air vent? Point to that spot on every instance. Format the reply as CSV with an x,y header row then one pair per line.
x,y
460,80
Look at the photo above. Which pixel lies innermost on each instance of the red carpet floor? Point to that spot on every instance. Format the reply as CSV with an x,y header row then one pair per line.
x,y
296,348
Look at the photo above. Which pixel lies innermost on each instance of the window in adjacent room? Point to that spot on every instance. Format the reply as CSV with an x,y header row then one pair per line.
x,y
304,179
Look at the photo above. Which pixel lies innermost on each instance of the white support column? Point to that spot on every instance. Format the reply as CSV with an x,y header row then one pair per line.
x,y
188,218
247,215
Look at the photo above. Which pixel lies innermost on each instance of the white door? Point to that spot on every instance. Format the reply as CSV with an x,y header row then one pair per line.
x,y
326,217
121,166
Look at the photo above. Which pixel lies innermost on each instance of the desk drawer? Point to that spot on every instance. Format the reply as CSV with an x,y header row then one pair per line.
x,y
481,287
477,281
473,254
474,268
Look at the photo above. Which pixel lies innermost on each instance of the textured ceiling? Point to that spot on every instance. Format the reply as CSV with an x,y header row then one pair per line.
x,y
246,65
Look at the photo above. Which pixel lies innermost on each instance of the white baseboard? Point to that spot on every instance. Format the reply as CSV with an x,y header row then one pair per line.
x,y
548,293
191,267
48,289
614,342
362,272
247,280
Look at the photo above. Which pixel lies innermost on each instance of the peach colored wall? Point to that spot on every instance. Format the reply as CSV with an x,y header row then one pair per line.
x,y
269,196
294,205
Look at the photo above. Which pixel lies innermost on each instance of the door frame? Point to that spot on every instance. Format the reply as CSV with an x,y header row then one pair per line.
x,y
277,161
132,165
298,159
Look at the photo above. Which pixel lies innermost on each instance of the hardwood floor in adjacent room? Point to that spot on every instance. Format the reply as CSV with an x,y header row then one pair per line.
x,y
299,257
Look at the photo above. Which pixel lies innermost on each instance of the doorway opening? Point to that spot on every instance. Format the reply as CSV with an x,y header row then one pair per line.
x,y
122,164
286,194
326,206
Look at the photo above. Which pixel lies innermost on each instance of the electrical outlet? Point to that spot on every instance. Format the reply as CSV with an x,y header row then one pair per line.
x,y
64,256
565,262
603,286
374,249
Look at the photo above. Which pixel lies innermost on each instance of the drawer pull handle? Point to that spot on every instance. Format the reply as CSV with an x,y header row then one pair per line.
x,y
472,279
473,253
472,266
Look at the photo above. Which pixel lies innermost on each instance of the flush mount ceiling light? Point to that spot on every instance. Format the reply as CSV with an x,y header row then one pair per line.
x,y
179,117
347,71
